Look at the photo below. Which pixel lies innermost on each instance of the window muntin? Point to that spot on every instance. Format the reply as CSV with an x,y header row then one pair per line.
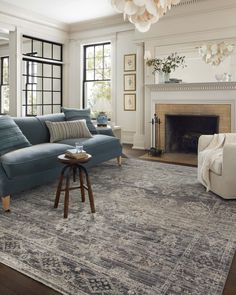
x,y
42,79
41,48
4,84
97,78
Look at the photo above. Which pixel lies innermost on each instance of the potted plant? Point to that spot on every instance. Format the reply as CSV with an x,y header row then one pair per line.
x,y
164,66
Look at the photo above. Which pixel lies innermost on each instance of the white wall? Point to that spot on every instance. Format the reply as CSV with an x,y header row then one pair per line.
x,y
125,119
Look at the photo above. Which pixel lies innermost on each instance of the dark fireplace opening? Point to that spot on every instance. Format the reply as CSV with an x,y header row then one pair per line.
x,y
183,131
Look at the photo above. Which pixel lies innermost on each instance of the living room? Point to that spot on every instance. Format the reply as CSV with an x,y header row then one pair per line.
x,y
148,225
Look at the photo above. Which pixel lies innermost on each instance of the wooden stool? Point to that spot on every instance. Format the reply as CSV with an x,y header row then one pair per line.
x,y
71,167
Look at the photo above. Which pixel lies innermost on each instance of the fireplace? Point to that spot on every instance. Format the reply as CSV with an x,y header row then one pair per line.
x,y
183,131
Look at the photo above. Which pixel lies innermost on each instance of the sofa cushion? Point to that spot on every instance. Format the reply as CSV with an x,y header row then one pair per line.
x,y
33,159
216,166
11,137
76,114
71,129
98,144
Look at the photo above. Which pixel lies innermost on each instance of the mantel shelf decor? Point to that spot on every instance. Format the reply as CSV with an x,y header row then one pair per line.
x,y
214,54
164,66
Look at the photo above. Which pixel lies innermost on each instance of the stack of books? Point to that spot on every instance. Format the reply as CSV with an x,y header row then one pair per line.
x,y
71,153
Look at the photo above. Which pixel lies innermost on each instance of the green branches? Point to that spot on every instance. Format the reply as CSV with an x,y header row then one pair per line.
x,y
167,64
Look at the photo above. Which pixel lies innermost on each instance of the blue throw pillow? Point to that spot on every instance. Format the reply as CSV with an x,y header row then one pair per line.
x,y
11,137
76,114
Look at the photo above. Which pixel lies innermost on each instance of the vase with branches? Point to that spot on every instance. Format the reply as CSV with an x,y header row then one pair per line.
x,y
167,64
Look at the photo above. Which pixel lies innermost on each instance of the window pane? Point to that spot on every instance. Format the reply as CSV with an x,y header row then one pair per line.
x,y
27,46
47,110
89,52
56,52
37,48
107,50
39,96
47,70
107,62
39,84
39,69
56,84
90,63
99,74
99,50
107,73
56,97
99,62
89,75
56,71
47,50
47,84
5,70
56,108
5,99
99,97
47,97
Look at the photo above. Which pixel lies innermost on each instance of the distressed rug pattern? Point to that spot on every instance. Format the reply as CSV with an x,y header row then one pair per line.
x,y
155,231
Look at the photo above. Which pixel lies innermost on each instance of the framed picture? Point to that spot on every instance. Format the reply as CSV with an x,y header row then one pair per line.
x,y
129,62
129,82
130,102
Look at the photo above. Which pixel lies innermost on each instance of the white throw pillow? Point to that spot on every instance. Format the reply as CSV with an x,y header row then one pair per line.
x,y
68,129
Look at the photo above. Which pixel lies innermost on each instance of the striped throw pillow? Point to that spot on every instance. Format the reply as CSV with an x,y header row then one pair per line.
x,y
69,129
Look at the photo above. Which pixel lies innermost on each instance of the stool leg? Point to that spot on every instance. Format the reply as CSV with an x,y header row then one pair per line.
x,y
67,189
90,192
74,174
81,178
58,193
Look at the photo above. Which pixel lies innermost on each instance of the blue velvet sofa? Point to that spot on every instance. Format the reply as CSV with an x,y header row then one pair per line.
x,y
37,164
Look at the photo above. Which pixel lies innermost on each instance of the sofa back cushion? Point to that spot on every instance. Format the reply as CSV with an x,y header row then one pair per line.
x,y
35,129
76,114
11,137
71,129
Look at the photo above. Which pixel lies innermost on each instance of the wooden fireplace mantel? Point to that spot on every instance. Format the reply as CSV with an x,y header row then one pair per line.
x,y
192,86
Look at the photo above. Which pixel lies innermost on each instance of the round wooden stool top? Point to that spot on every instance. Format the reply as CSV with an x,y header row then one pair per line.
x,y
66,160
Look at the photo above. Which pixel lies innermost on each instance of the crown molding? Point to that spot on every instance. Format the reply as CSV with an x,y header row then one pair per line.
x,y
13,11
98,23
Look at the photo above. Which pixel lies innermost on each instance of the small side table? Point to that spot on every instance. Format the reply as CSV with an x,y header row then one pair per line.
x,y
70,168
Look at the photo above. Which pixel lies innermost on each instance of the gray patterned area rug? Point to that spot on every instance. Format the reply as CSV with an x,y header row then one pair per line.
x,y
155,231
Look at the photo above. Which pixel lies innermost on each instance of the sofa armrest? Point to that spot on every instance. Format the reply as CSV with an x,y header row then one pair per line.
x,y
229,160
204,141
105,131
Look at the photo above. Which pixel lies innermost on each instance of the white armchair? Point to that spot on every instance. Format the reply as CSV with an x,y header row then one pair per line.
x,y
223,170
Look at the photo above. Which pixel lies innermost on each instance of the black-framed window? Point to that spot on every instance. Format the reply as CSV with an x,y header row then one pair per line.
x,y
4,84
42,77
97,78
42,48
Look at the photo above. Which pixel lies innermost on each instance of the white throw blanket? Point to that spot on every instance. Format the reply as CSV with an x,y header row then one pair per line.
x,y
207,157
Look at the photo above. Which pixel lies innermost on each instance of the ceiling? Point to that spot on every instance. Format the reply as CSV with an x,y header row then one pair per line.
x,y
67,11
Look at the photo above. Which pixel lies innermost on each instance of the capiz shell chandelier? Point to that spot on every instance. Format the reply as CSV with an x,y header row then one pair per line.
x,y
143,13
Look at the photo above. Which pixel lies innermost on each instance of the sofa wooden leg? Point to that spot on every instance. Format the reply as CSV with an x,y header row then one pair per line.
x,y
6,203
119,159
